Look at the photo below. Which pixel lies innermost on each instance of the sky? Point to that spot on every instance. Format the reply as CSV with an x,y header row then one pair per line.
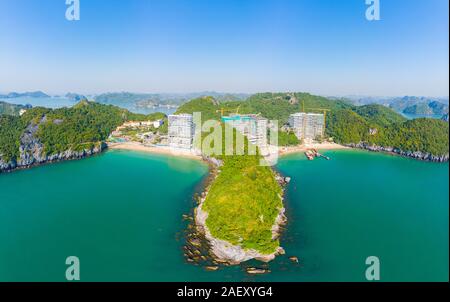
x,y
325,47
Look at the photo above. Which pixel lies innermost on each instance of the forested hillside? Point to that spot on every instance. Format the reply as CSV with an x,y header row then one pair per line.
x,y
346,124
53,131
11,109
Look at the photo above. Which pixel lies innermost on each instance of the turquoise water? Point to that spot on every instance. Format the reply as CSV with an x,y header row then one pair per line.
x,y
59,102
48,102
121,214
363,204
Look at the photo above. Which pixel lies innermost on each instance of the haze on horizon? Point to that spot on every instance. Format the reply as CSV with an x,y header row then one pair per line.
x,y
325,47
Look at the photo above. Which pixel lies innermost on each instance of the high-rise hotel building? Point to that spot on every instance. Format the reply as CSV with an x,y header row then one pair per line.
x,y
308,126
181,131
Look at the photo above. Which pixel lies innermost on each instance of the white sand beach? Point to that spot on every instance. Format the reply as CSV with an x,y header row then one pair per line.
x,y
303,148
133,146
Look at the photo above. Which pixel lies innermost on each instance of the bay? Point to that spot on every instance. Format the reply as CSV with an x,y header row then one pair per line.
x,y
121,214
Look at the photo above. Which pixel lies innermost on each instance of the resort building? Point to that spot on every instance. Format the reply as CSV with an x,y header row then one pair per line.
x,y
181,131
140,124
253,126
309,126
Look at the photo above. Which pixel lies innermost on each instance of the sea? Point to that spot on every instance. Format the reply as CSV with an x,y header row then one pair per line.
x,y
121,214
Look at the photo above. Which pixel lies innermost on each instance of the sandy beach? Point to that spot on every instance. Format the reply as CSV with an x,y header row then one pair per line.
x,y
156,150
133,146
303,148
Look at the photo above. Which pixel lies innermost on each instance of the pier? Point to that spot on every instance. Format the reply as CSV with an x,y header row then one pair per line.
x,y
313,153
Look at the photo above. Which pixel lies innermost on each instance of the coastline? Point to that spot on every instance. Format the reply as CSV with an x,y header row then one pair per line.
x,y
283,151
12,166
29,162
421,156
418,155
225,252
130,146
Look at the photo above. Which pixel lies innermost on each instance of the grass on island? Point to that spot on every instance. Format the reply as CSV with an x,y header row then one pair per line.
x,y
243,203
245,198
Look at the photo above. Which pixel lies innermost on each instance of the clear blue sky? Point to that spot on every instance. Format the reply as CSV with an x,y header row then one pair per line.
x,y
321,46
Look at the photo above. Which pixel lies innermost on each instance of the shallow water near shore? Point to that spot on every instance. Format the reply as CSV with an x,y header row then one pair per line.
x,y
121,214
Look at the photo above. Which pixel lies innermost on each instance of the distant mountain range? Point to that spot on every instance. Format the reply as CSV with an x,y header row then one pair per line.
x,y
151,100
407,104
135,100
75,97
431,108
34,94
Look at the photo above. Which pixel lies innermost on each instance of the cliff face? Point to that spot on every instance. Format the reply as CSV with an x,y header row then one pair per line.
x,y
233,254
416,155
32,151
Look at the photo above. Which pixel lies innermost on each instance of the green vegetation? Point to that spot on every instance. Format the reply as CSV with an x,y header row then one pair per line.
x,y
379,115
11,127
278,106
77,128
208,106
346,124
287,139
244,200
11,109
425,135
243,203
81,126
128,99
274,106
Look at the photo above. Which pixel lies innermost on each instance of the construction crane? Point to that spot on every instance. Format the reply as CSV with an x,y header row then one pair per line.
x,y
324,113
223,110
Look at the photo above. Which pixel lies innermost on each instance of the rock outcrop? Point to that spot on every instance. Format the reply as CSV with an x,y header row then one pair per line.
x,y
416,155
225,252
31,151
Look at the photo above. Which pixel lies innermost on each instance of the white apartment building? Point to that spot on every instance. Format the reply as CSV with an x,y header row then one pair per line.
x,y
181,131
307,125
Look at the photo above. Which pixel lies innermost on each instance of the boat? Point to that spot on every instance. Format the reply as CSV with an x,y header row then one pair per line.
x,y
310,155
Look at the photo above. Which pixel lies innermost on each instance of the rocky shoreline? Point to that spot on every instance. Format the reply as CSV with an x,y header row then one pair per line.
x,y
31,151
31,161
223,251
415,155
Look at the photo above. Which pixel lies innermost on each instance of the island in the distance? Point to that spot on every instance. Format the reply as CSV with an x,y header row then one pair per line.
x,y
33,94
